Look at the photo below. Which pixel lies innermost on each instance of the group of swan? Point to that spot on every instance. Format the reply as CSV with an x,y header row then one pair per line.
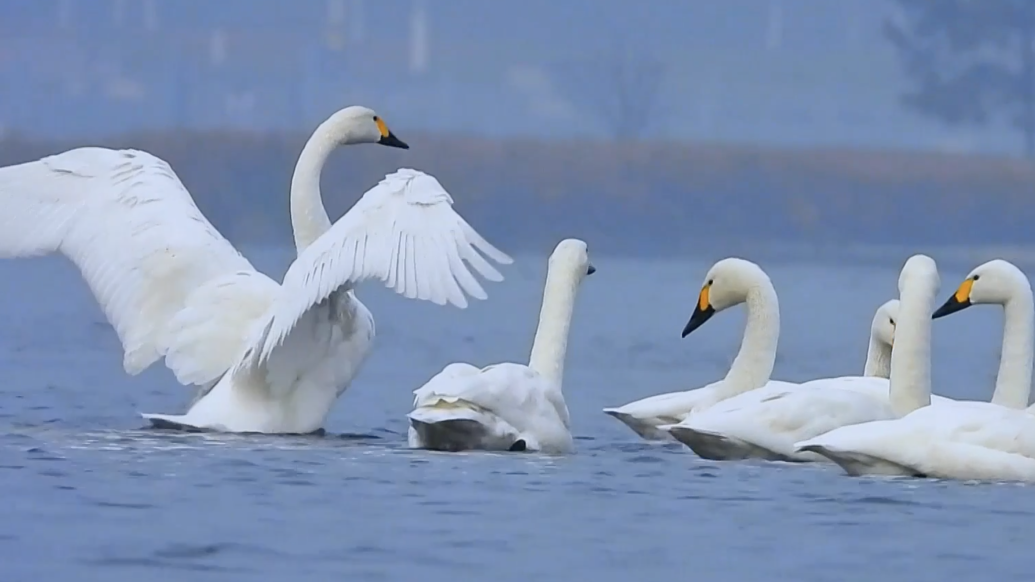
x,y
272,358
884,422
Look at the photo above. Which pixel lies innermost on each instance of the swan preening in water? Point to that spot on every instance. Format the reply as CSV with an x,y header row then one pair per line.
x,y
268,358
954,439
509,407
767,422
728,283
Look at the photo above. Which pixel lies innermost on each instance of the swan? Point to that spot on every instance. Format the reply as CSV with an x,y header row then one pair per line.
x,y
267,358
729,282
1000,282
954,440
509,407
767,422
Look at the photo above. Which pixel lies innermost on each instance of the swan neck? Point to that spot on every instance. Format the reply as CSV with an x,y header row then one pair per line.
x,y
878,359
754,362
1013,382
551,337
309,218
910,381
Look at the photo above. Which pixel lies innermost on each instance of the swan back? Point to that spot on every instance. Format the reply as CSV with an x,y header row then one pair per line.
x,y
882,338
1000,282
567,267
910,380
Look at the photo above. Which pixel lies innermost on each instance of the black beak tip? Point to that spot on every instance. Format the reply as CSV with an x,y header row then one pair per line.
x,y
949,307
393,142
590,270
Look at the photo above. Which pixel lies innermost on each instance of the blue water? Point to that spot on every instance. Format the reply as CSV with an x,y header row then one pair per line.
x,y
88,495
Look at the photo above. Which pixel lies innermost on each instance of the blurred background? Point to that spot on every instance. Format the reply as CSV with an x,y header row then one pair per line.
x,y
840,135
645,128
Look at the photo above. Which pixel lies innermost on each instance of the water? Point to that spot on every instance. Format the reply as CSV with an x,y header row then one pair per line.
x,y
90,496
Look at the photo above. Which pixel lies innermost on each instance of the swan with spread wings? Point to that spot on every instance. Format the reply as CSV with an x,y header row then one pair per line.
x,y
267,358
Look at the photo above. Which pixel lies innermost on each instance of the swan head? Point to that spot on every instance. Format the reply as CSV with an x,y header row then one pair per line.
x,y
727,283
572,255
883,326
995,282
920,270
357,124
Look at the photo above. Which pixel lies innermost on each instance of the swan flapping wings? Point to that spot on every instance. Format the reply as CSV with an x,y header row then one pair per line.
x,y
173,287
403,232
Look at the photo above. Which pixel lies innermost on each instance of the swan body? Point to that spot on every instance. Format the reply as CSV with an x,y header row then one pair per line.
x,y
767,423
729,282
266,357
955,439
508,406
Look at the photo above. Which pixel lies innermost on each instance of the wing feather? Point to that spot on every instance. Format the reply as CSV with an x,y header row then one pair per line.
x,y
131,227
403,232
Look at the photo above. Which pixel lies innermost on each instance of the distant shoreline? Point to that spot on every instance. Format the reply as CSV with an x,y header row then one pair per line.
x,y
639,199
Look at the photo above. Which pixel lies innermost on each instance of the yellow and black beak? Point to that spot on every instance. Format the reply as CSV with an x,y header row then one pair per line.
x,y
387,137
702,312
959,300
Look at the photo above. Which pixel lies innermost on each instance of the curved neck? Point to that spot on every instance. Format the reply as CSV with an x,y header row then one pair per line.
x,y
551,337
309,218
910,378
754,362
878,359
1013,382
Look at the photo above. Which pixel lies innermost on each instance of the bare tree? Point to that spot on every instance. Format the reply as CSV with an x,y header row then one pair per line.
x,y
970,61
619,89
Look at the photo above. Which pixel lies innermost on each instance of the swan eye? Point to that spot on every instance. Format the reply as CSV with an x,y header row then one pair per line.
x,y
892,321
975,277
710,282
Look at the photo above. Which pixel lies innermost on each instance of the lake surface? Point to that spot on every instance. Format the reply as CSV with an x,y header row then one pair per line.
x,y
88,495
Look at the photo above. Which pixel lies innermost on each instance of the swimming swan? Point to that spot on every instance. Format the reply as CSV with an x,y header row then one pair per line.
x,y
267,358
728,283
1000,282
766,423
952,440
509,407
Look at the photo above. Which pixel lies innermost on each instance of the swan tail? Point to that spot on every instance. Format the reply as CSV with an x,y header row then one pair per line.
x,y
461,426
857,464
647,429
718,447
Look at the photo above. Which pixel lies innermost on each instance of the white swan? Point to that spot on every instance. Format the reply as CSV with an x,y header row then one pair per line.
x,y
1000,282
728,283
955,439
766,423
509,407
268,358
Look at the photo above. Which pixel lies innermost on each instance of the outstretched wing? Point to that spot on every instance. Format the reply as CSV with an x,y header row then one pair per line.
x,y
403,232
130,226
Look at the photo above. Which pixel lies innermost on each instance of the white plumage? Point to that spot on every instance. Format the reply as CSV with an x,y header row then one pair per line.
x,y
949,439
268,358
508,406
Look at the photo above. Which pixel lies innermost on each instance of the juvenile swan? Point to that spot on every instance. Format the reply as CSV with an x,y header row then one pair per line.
x,y
728,283
1000,282
952,440
509,407
766,423
267,358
